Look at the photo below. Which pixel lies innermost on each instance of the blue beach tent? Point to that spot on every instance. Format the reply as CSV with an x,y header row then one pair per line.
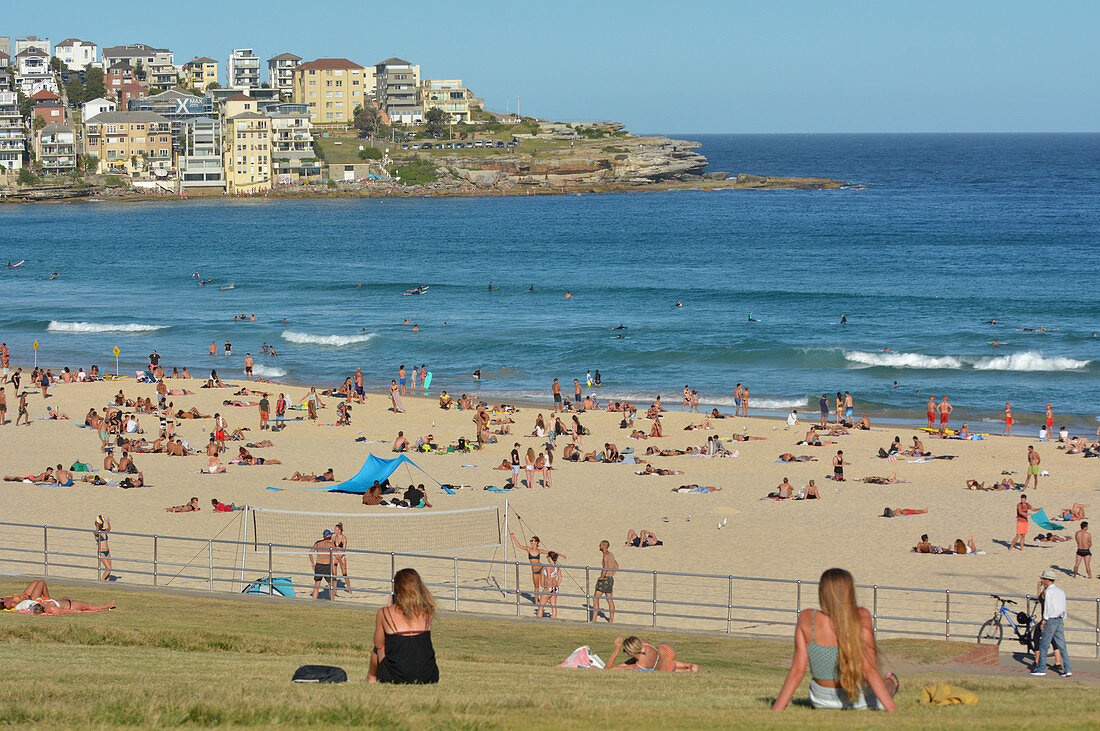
x,y
374,469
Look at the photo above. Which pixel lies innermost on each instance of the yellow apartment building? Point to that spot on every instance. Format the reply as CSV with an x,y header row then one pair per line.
x,y
127,142
200,72
246,146
331,87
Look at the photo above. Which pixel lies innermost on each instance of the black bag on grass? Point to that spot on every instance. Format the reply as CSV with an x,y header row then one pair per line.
x,y
319,674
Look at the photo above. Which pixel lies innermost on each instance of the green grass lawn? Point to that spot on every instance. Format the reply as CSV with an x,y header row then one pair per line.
x,y
170,660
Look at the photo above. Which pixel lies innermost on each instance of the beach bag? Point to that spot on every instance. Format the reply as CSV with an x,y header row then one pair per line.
x,y
319,674
582,657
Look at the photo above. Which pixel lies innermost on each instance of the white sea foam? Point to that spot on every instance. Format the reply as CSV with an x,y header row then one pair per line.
x,y
1026,361
337,341
267,371
57,326
903,360
1029,361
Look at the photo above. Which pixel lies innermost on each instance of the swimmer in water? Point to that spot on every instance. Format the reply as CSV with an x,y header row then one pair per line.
x,y
895,384
416,328
620,327
887,350
990,322
568,295
995,342
490,286
532,288
751,317
408,320
679,303
843,319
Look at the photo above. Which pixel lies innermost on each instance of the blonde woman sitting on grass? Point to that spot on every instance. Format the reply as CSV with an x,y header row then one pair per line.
x,y
838,645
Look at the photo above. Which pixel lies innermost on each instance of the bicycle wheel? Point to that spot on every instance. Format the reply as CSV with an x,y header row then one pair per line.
x,y
990,633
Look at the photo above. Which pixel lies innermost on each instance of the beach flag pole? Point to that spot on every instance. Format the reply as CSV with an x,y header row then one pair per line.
x,y
35,353
116,352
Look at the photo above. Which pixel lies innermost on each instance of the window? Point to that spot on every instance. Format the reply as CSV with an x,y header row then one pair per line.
x,y
328,115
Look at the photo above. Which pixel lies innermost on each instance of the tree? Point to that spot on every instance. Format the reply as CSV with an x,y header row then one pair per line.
x,y
39,123
26,104
139,71
26,177
213,85
368,120
93,85
89,163
74,90
56,64
436,120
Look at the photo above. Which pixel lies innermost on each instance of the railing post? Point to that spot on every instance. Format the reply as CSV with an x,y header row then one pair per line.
x,y
587,595
517,588
654,598
947,615
331,578
46,554
729,606
798,597
269,579
210,560
1097,626
874,607
155,556
393,566
456,583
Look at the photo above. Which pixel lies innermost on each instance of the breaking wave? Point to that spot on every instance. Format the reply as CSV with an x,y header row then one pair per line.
x,y
267,371
57,326
336,341
1026,361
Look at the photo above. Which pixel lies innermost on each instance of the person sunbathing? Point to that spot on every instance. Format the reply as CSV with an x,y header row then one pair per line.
x,y
327,476
34,590
261,444
192,413
651,470
877,480
788,457
704,424
746,438
893,512
1077,512
237,402
695,488
785,489
220,507
178,392
668,452
638,434
963,548
189,507
36,598
1051,538
656,431
44,477
716,414
56,414
137,480
644,656
643,539
246,457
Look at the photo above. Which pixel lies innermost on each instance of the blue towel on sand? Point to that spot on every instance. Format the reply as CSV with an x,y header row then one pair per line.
x,y
1039,517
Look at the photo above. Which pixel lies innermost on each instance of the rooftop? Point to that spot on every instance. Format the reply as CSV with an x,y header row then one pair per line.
x,y
328,64
134,49
124,117
285,57
238,98
32,51
201,59
249,115
393,62
73,42
55,127
44,94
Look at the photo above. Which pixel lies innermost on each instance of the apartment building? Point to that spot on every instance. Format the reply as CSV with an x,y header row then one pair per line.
x,y
331,88
48,107
129,142
280,72
292,142
446,94
200,72
138,53
96,106
200,157
246,146
131,92
77,54
12,135
55,149
117,76
243,69
32,68
22,43
175,106
397,84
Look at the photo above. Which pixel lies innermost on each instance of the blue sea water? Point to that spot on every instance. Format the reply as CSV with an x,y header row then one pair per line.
x,y
950,232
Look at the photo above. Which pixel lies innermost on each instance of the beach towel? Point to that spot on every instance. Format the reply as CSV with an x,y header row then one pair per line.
x,y
80,467
583,657
942,694
494,488
1039,517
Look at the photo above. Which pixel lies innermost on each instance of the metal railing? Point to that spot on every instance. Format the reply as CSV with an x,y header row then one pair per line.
x,y
723,603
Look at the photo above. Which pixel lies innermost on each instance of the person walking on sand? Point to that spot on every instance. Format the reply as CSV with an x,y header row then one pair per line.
x,y
1007,431
320,558
1084,549
931,406
556,388
3,407
1032,466
1054,617
22,413
395,398
103,549
605,584
945,410
738,393
1023,511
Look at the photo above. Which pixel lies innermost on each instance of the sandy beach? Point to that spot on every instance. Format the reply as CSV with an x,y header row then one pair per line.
x,y
588,501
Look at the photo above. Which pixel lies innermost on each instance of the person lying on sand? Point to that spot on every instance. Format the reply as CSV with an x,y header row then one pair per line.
x,y
1051,538
788,457
188,507
696,488
638,434
925,547
192,413
260,445
325,477
642,539
651,470
246,457
704,424
1077,512
236,402
746,438
669,452
56,414
46,476
716,414
220,507
180,392
877,480
1005,484
895,512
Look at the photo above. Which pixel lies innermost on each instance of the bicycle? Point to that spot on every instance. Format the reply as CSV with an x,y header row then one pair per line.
x,y
1022,624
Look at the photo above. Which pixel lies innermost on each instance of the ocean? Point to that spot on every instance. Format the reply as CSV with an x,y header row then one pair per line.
x,y
951,231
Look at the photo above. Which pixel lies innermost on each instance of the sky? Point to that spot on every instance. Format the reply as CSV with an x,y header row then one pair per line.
x,y
695,66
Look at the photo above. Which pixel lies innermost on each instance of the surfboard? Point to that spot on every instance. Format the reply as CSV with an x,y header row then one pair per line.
x,y
427,380
13,266
624,337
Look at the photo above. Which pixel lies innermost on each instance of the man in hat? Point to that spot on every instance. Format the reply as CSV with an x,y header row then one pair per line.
x,y
1054,615
320,557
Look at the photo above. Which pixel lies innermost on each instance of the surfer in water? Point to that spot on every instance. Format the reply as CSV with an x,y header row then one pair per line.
x,y
843,319
620,327
751,318
477,373
532,288
490,286
679,303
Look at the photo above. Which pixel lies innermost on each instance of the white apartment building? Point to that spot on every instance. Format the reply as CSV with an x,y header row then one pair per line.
x,y
13,139
243,69
20,44
97,106
280,72
77,54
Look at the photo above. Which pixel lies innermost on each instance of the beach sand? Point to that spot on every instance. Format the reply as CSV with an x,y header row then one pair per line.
x,y
588,501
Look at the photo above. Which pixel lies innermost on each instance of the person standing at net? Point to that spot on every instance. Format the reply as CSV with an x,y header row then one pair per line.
x,y
339,558
320,558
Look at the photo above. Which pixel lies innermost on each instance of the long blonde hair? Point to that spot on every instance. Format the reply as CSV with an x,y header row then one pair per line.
x,y
411,597
836,592
531,454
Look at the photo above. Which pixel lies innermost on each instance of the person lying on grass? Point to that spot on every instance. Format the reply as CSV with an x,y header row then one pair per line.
x,y
642,655
36,598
